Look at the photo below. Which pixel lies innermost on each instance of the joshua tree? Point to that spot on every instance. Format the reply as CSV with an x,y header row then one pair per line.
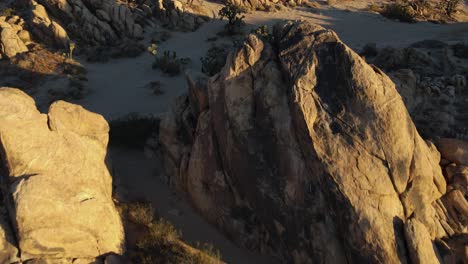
x,y
234,17
71,47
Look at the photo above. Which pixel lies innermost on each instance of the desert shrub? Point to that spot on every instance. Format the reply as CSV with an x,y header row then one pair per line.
x,y
263,32
399,10
170,64
450,6
369,50
155,87
235,17
158,241
7,12
132,130
208,249
460,50
214,60
141,213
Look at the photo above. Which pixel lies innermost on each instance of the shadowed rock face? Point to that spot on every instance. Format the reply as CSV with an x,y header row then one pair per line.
x,y
303,150
55,185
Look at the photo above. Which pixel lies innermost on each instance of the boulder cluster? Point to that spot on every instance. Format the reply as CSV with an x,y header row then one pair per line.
x,y
301,149
432,81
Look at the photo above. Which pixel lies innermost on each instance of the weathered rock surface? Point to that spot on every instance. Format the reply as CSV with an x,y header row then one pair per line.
x,y
55,183
10,43
186,17
47,30
306,151
90,21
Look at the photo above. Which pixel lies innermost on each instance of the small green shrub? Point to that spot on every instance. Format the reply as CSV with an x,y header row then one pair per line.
x,y
400,10
263,32
155,87
369,50
132,130
158,241
140,213
170,64
214,60
7,12
233,14
208,249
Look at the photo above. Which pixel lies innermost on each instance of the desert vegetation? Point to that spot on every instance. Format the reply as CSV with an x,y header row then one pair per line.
x,y
155,240
132,130
235,18
169,63
214,60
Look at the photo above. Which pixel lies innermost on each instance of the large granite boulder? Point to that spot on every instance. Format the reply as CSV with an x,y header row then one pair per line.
x,y
56,186
307,152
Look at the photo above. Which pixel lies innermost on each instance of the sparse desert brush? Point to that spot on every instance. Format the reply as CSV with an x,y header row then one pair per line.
x,y
132,130
214,60
7,12
169,64
155,87
158,241
399,10
140,213
235,17
263,32
369,50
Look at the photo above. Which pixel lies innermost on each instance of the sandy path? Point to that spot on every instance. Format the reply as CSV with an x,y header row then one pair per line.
x,y
137,175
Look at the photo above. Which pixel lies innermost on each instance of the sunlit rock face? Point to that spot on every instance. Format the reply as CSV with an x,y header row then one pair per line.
x,y
55,185
300,148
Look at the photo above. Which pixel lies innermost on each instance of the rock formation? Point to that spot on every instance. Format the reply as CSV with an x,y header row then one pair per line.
x,y
56,189
185,17
301,149
432,82
11,32
94,22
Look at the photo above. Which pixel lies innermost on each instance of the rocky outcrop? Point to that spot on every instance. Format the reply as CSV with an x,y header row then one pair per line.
x,y
56,187
432,82
303,150
11,42
185,17
264,4
49,31
89,21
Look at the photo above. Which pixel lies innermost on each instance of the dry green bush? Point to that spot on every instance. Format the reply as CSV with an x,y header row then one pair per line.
x,y
158,241
400,11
